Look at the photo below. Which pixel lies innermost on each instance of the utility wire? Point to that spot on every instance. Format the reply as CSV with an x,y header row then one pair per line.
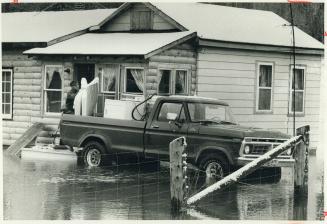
x,y
293,75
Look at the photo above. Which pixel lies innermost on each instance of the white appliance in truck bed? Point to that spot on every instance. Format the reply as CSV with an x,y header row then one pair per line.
x,y
122,109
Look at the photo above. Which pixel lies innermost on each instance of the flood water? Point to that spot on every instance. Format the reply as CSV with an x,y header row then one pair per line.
x,y
52,190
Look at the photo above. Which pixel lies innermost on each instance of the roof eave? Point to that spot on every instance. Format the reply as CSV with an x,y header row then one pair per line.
x,y
258,47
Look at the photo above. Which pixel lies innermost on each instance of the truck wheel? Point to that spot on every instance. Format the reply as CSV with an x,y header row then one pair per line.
x,y
215,166
94,154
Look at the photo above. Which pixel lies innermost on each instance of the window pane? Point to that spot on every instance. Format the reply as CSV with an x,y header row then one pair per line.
x,y
6,97
6,76
181,82
6,108
134,81
53,78
264,99
298,102
164,81
265,75
53,101
299,79
169,110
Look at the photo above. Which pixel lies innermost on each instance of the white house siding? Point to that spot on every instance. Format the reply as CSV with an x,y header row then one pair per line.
x,y
230,75
179,57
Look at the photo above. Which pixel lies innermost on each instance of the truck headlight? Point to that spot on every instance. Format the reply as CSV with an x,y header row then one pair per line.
x,y
247,149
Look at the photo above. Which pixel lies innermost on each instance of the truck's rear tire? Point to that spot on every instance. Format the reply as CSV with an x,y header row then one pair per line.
x,y
214,166
94,154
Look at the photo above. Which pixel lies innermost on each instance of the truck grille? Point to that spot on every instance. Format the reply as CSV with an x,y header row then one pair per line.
x,y
259,146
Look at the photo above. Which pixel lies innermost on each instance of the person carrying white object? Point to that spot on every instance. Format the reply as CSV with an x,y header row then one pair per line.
x,y
78,97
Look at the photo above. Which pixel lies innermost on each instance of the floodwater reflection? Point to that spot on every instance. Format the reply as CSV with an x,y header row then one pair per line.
x,y
52,190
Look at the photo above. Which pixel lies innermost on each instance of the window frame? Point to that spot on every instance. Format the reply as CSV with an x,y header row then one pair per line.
x,y
10,115
117,78
125,93
272,64
290,112
172,83
44,90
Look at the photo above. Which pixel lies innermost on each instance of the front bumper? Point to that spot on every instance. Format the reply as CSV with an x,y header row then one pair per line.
x,y
278,162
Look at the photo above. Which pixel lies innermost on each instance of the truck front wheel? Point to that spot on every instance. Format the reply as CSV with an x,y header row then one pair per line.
x,y
94,154
214,166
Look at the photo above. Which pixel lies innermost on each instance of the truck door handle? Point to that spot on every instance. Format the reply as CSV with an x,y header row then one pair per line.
x,y
154,126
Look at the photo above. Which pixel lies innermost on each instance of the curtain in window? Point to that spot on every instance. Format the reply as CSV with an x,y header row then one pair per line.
x,y
180,82
265,76
299,79
109,77
138,77
53,78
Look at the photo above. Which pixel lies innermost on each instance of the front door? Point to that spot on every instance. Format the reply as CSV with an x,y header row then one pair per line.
x,y
168,123
84,71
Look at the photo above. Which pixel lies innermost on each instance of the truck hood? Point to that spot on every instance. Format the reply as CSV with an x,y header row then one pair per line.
x,y
238,131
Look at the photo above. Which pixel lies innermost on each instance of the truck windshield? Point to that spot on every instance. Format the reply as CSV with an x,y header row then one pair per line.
x,y
210,113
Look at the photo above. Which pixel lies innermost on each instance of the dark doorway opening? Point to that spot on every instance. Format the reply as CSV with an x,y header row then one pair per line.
x,y
84,71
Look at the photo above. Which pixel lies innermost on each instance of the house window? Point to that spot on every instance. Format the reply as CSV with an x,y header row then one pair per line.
x,y
264,87
141,20
109,74
7,93
53,86
133,81
298,89
172,82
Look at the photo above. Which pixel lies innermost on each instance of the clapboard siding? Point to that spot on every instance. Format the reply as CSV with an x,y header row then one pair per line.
x,y
179,57
230,75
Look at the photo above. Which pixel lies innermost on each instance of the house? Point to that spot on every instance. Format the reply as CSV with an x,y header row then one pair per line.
x,y
241,56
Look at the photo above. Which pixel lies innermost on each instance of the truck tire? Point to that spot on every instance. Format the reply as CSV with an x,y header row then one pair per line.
x,y
94,154
214,166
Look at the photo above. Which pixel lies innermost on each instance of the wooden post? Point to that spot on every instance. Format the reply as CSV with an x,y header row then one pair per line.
x,y
301,174
245,170
300,156
176,150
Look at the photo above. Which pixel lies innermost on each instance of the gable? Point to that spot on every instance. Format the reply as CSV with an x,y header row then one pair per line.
x,y
138,17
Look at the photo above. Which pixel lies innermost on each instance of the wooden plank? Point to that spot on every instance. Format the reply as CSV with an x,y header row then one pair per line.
x,y
27,75
33,69
30,82
25,139
226,66
27,87
27,94
19,63
203,72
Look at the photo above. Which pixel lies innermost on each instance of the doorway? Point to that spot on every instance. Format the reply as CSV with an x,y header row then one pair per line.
x,y
84,71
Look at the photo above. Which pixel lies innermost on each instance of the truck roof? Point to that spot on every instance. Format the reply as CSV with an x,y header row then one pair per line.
x,y
196,99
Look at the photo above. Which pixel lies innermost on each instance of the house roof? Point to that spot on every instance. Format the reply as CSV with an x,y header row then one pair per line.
x,y
240,25
48,25
114,44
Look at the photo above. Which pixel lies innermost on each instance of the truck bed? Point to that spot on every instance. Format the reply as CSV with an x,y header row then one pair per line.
x,y
124,134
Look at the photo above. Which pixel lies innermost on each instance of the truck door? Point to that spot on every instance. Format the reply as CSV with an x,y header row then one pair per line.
x,y
168,123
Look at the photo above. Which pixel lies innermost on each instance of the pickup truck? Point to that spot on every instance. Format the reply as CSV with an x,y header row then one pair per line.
x,y
215,142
